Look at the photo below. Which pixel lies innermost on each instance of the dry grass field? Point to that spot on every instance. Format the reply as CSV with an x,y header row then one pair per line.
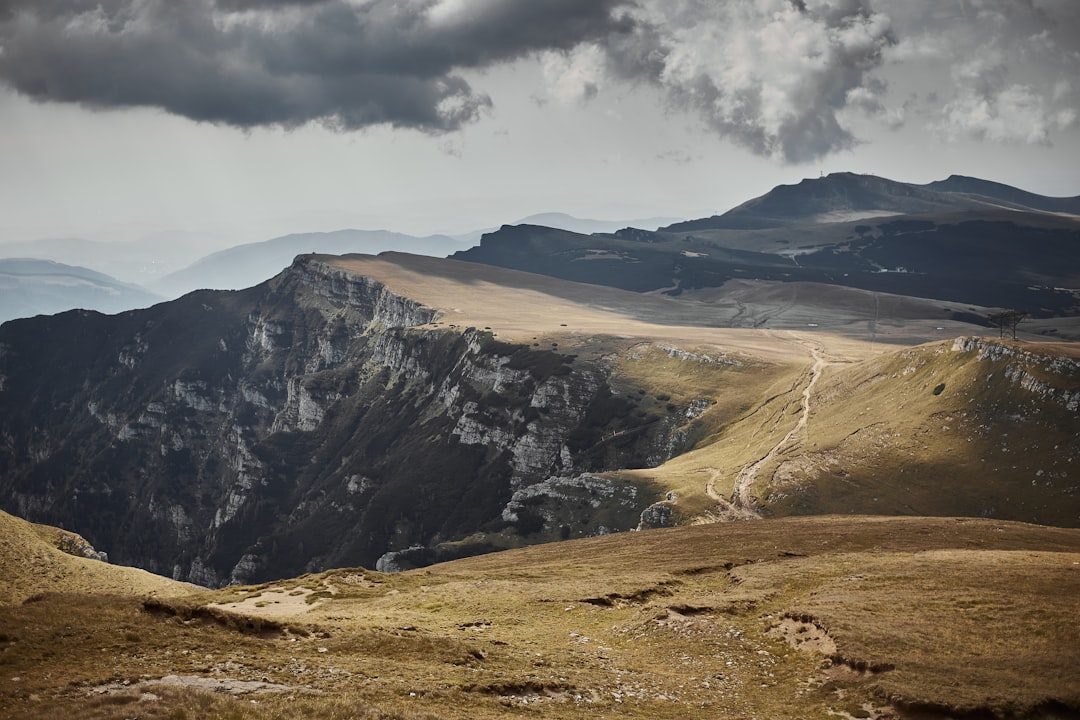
x,y
810,617
32,562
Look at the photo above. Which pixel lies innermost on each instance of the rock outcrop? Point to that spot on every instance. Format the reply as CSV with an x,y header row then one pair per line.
x,y
308,422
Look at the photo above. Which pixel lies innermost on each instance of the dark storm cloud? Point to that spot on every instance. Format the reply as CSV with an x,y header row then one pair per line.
x,y
785,79
285,62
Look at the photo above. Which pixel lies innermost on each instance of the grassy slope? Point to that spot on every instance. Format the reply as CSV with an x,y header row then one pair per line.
x,y
31,563
940,614
919,431
932,431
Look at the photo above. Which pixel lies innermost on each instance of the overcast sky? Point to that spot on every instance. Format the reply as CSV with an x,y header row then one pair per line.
x,y
246,119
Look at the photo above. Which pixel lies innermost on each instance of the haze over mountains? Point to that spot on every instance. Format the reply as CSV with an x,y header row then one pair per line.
x,y
43,287
169,265
243,266
843,229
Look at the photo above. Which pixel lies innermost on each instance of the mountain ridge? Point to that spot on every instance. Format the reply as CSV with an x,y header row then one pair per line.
x,y
811,200
343,413
855,231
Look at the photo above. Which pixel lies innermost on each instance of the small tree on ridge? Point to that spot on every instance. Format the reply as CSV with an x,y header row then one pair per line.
x,y
1007,319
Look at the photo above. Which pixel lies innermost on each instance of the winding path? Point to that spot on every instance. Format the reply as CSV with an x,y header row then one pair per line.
x,y
741,505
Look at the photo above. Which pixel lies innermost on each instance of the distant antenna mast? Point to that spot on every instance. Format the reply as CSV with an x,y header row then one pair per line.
x,y
822,173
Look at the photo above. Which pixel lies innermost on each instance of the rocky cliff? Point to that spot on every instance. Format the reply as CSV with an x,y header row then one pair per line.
x,y
315,420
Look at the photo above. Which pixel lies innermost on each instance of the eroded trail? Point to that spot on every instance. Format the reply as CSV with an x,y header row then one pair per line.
x,y
741,505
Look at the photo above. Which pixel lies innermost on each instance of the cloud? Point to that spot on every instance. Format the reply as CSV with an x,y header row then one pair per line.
x,y
346,63
574,76
1002,69
773,76
786,79
1015,114
789,79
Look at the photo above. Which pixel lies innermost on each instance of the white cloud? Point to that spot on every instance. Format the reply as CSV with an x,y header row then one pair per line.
x,y
773,75
573,76
1016,113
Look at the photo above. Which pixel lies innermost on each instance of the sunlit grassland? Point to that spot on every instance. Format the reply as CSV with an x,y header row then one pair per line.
x,y
955,615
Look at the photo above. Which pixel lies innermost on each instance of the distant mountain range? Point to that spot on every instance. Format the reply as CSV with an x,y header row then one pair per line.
x,y
961,240
841,197
138,261
246,265
41,287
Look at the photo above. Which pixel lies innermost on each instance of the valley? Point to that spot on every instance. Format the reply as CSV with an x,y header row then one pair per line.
x,y
773,463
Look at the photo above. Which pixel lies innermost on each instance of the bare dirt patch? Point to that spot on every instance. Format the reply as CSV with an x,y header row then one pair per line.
x,y
804,635
272,602
228,686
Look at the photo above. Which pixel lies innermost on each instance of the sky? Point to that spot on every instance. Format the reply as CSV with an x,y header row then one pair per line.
x,y
233,121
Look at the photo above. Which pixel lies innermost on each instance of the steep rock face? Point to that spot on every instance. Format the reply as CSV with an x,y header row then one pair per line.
x,y
301,424
1031,371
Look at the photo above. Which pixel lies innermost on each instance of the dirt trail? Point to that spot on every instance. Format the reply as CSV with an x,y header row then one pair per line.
x,y
740,506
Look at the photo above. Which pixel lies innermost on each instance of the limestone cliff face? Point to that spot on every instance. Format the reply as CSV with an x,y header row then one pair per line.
x,y
1028,369
304,423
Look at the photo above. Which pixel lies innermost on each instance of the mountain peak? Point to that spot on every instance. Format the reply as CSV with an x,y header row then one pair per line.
x,y
846,196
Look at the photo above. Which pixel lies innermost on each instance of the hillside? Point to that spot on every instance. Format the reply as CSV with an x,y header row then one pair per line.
x,y
1005,194
400,410
37,559
841,197
970,426
323,419
881,618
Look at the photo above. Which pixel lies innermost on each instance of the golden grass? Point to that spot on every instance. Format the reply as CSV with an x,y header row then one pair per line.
x,y
519,306
928,431
969,614
31,563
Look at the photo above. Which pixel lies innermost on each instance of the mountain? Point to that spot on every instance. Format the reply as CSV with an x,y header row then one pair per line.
x,y
246,265
140,261
562,221
841,197
42,287
399,410
585,226
1001,259
1007,195
309,422
910,241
